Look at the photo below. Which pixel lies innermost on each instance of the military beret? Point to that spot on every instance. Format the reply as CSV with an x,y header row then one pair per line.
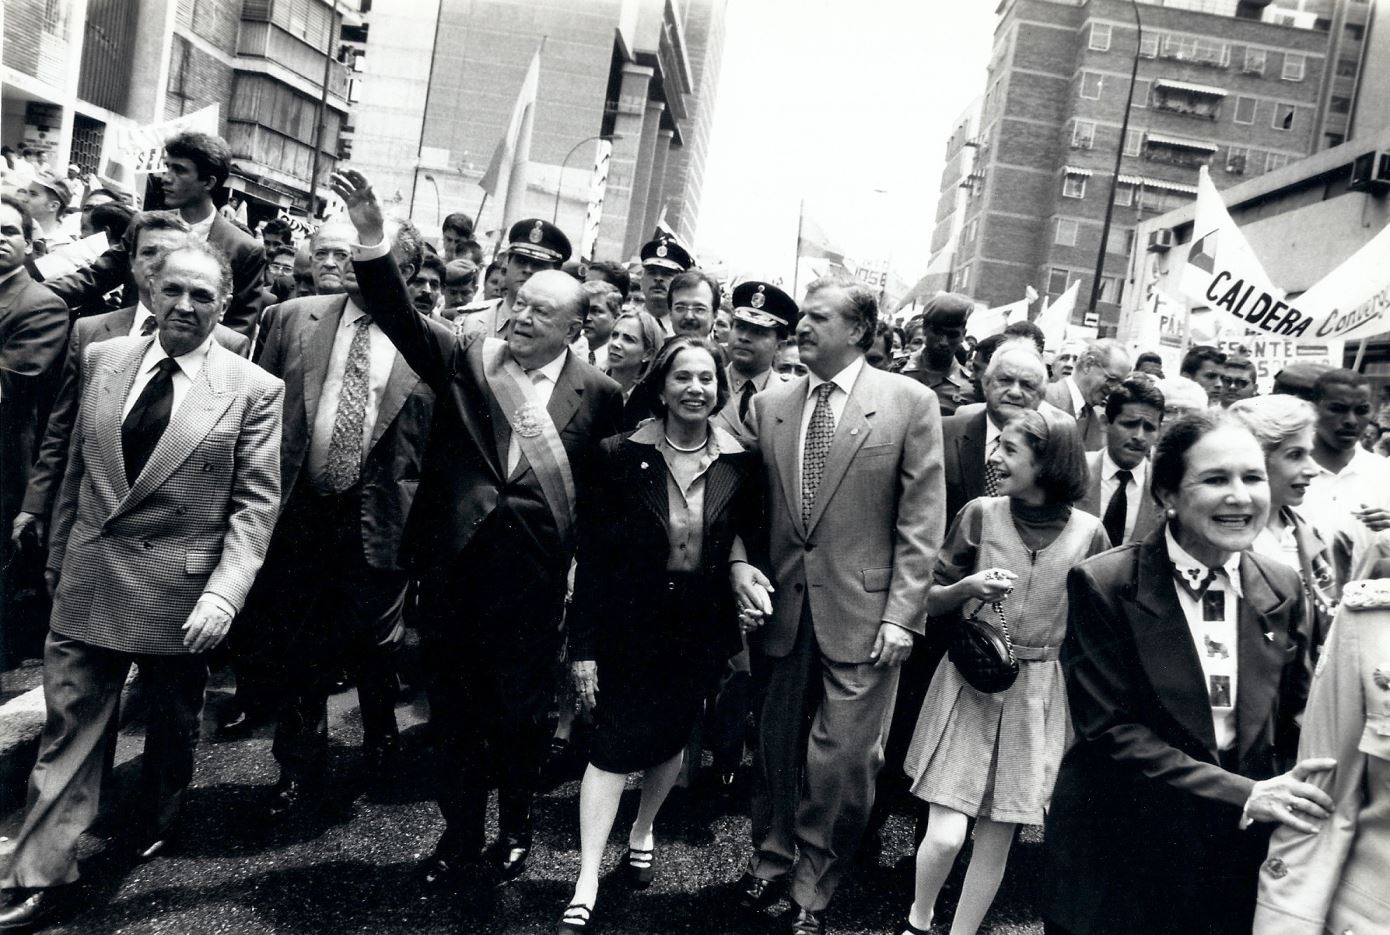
x,y
539,240
950,309
60,187
763,304
666,253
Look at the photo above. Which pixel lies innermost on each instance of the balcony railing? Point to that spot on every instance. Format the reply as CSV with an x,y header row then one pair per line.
x,y
270,42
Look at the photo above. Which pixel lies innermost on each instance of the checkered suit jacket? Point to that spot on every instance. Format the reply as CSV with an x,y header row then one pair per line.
x,y
135,558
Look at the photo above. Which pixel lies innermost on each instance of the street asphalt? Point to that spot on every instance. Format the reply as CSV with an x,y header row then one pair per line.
x,y
351,867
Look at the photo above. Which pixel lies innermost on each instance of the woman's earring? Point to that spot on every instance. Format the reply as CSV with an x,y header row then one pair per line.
x,y
1171,513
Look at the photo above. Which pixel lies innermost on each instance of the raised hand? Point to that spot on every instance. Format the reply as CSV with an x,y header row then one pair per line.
x,y
363,209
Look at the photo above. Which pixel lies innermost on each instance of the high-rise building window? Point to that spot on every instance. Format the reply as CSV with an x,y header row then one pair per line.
x,y
1335,139
1237,158
1283,116
1254,62
1245,110
1340,105
1083,134
1124,193
1111,288
1347,67
962,279
1065,234
1141,92
1294,66
1148,46
1090,85
1134,142
1354,31
1275,161
1057,280
1100,37
1073,186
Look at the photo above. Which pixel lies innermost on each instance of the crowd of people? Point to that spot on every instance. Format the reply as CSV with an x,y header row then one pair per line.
x,y
692,516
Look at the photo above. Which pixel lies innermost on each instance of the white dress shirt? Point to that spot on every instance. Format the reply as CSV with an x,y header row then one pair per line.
x,y
1216,640
1331,498
844,384
543,379
383,357
189,366
201,229
1134,490
601,357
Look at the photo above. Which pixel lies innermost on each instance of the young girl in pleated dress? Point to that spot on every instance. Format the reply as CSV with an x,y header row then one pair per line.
x,y
994,757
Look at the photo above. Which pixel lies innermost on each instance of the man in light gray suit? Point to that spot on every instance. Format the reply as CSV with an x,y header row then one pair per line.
x,y
1118,491
168,501
150,235
856,514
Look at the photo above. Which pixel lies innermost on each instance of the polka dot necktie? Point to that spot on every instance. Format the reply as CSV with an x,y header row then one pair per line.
x,y
344,463
991,474
148,327
818,437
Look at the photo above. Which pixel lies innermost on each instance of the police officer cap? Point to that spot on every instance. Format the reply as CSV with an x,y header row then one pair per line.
x,y
665,253
763,304
539,240
948,309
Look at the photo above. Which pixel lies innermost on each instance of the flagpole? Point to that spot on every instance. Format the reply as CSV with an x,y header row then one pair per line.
x,y
425,113
1360,355
1119,157
796,256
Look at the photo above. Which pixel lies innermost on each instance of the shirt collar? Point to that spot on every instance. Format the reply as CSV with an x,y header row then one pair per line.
x,y
992,431
6,277
201,229
736,381
720,441
1078,401
191,363
352,312
551,371
1182,560
1108,467
142,312
845,379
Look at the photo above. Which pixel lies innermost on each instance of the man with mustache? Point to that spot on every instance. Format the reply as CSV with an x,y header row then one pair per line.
x,y
662,260
1119,487
427,285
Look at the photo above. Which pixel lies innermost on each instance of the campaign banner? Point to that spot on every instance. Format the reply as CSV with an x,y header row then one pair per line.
x,y
141,149
1222,273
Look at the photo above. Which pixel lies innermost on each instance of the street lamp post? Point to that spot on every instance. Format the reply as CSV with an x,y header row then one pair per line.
x,y
560,182
1119,155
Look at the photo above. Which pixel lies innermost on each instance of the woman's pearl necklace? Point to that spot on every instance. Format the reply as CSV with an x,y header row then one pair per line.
x,y
687,451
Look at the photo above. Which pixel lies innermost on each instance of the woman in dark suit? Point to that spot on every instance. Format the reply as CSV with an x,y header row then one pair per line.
x,y
1184,675
653,620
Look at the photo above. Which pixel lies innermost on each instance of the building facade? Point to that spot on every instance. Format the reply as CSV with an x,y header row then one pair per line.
x,y
76,71
643,72
1241,87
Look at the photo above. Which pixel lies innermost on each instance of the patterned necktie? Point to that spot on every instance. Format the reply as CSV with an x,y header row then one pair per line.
x,y
344,462
147,419
148,326
818,436
1194,582
745,398
1117,509
991,474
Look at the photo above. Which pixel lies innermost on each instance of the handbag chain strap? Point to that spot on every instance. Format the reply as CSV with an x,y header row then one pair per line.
x,y
998,607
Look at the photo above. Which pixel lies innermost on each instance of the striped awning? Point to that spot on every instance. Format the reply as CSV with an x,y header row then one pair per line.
x,y
1076,170
1181,143
1159,183
1187,86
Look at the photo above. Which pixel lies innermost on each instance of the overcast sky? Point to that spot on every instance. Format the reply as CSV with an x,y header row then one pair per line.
x,y
829,100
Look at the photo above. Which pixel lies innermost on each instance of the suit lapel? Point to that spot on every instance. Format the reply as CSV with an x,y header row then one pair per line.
x,y
566,395
787,451
114,381
12,287
1261,646
399,385
650,482
316,347
850,434
1164,642
117,323
207,399
970,455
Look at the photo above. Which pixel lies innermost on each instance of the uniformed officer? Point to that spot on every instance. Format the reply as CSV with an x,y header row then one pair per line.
x,y
663,259
764,316
935,365
532,245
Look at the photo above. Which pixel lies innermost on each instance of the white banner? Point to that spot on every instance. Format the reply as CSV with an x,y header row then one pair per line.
x,y
141,149
598,188
1055,319
1223,273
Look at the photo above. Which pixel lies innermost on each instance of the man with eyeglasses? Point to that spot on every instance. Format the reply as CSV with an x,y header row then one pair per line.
x,y
1238,380
694,299
1101,368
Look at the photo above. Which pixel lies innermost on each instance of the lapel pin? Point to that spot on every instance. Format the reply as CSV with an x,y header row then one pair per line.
x,y
854,431
1269,635
644,465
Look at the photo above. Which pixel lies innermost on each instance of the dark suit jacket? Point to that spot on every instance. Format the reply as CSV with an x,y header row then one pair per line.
x,y
245,253
1142,835
33,327
625,544
297,348
1093,432
52,457
963,447
1146,521
466,500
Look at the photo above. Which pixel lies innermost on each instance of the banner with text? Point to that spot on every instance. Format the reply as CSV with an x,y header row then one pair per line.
x,y
1223,273
141,149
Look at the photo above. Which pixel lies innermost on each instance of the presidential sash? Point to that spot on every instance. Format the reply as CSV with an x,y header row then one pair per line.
x,y
534,430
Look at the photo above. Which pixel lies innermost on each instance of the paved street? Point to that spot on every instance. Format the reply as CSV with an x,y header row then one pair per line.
x,y
352,869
